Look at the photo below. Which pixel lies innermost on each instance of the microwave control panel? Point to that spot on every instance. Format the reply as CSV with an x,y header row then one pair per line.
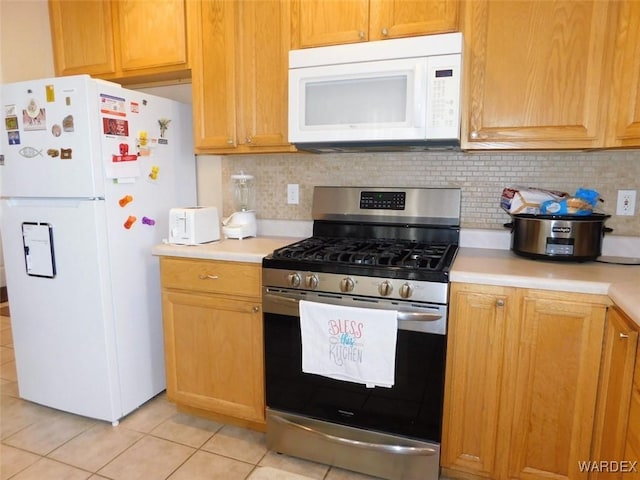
x,y
444,95
443,84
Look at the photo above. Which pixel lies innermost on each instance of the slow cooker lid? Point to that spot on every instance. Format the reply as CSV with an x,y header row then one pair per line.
x,y
593,217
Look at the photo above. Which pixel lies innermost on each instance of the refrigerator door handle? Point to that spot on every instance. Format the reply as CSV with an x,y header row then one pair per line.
x,y
48,202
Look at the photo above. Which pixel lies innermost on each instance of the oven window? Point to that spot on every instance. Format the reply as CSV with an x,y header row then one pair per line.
x,y
412,407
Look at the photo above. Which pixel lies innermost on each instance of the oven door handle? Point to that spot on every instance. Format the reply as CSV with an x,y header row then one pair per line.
x,y
418,317
402,316
376,447
282,300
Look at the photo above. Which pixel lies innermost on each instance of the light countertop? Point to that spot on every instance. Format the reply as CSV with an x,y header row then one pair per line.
x,y
251,250
502,267
472,265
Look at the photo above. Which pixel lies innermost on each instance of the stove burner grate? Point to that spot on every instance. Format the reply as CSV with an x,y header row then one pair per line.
x,y
374,252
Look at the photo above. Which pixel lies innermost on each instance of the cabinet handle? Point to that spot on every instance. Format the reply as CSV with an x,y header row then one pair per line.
x,y
474,135
361,35
623,335
255,309
230,141
203,276
385,32
500,302
248,140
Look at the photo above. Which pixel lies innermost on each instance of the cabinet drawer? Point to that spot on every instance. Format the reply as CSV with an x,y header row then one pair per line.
x,y
211,276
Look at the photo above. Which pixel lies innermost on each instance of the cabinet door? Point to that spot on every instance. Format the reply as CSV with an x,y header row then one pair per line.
x,y
151,34
318,22
632,448
557,351
263,49
534,73
477,319
213,76
614,392
625,100
83,38
214,354
406,18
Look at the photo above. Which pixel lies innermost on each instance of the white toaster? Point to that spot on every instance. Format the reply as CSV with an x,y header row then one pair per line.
x,y
193,225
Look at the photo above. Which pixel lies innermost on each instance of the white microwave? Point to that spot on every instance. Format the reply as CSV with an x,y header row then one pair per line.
x,y
384,95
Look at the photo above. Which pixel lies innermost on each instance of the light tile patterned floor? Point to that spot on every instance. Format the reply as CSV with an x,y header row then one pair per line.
x,y
155,442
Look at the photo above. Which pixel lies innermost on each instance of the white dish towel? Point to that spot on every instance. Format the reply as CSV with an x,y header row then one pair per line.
x,y
349,343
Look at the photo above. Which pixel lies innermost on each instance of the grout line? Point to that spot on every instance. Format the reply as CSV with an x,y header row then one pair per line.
x,y
144,434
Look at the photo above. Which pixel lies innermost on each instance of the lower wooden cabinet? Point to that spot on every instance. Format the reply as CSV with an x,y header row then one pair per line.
x,y
213,339
614,397
632,444
521,384
632,437
475,368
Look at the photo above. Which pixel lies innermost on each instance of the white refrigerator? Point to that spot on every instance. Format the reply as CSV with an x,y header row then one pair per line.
x,y
89,174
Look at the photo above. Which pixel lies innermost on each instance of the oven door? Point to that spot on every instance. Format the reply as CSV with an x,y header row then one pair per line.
x,y
400,427
412,407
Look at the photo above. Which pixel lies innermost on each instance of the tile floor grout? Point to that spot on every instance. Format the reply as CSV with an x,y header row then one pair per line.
x,y
154,442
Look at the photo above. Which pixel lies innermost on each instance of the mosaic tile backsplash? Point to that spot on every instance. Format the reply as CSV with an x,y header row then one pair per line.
x,y
481,176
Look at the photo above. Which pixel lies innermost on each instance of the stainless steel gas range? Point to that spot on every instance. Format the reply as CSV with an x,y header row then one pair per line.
x,y
374,248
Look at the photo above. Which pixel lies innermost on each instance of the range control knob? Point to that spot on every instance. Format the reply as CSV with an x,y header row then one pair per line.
x,y
294,280
311,281
385,288
347,284
406,290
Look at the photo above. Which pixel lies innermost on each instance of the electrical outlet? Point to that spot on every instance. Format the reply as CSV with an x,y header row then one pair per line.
x,y
626,202
293,194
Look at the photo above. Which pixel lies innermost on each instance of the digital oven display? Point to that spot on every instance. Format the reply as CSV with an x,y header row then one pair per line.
x,y
382,200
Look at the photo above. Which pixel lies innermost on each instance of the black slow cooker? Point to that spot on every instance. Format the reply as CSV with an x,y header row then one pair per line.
x,y
576,238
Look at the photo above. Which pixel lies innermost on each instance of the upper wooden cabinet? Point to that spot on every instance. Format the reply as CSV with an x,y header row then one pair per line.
x,y
152,34
240,71
624,121
82,36
318,22
535,73
125,40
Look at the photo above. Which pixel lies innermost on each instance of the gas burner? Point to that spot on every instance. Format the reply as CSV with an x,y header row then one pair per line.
x,y
375,252
358,233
